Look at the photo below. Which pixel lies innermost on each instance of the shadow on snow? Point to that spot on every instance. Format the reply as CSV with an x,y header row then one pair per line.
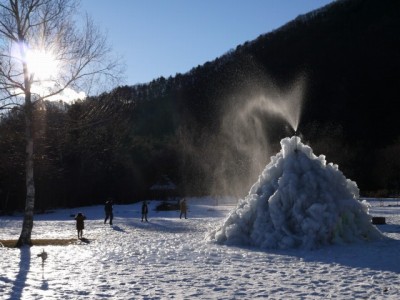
x,y
373,255
20,280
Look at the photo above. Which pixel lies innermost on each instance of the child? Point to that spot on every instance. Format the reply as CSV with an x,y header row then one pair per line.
x,y
80,224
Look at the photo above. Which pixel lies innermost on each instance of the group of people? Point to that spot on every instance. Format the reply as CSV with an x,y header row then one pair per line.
x,y
108,209
182,206
80,218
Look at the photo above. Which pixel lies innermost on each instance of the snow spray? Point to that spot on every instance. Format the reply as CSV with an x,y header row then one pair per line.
x,y
243,140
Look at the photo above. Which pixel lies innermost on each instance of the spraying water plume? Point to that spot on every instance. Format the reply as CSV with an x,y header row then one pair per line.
x,y
244,142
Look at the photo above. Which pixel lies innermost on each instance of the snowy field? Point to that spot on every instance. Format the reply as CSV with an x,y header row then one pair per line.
x,y
169,258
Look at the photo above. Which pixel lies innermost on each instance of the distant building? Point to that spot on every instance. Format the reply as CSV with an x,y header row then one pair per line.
x,y
164,189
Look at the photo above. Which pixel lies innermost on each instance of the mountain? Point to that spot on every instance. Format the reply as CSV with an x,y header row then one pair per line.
x,y
216,126
347,56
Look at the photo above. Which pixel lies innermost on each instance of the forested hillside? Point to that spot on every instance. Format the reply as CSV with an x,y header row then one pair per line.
x,y
213,129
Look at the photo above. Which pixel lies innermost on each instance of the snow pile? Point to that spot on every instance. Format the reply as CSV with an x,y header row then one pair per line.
x,y
298,201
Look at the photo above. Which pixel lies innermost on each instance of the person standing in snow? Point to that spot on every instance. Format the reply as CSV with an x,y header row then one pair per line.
x,y
183,208
80,224
108,209
145,210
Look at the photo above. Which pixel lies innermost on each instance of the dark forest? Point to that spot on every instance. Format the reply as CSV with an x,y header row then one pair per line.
x,y
211,132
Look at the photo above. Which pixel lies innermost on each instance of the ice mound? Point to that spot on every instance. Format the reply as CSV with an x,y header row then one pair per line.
x,y
298,201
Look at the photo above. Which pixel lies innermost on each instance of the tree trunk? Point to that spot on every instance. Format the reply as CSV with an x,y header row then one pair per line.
x,y
27,225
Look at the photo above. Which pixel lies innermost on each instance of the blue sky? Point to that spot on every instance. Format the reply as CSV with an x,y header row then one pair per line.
x,y
164,37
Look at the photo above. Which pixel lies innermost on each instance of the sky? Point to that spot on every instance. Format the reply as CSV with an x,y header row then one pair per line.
x,y
157,38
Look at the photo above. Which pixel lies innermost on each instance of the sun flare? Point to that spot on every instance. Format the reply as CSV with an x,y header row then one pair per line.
x,y
42,65
45,73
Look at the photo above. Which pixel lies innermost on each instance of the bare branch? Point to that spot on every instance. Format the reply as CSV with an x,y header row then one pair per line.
x,y
48,24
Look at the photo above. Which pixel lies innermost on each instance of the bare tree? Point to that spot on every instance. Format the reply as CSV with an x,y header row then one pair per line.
x,y
74,57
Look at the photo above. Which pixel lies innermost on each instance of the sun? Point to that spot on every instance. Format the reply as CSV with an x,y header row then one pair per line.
x,y
42,64
45,73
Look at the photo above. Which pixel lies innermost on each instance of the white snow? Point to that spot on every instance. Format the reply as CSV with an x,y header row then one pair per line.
x,y
169,258
172,258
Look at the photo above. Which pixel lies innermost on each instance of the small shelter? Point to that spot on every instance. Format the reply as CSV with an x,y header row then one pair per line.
x,y
163,189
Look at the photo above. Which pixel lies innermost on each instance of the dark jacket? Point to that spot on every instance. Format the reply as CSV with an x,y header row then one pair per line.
x,y
144,208
108,207
80,224
183,206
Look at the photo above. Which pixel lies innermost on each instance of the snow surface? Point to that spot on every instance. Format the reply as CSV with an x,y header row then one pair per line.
x,y
169,258
298,201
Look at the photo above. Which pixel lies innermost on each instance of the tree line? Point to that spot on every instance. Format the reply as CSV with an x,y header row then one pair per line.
x,y
121,142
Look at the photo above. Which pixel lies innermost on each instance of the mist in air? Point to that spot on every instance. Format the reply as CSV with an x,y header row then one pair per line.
x,y
234,157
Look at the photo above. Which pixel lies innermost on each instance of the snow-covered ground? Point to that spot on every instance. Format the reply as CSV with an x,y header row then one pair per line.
x,y
169,258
